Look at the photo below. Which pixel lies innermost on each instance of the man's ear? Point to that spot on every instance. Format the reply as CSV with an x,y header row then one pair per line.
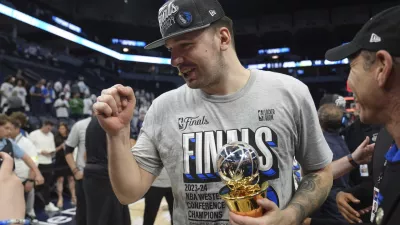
x,y
225,38
384,68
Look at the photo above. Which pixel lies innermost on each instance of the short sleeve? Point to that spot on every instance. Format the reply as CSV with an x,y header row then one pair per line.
x,y
73,137
312,152
18,152
145,150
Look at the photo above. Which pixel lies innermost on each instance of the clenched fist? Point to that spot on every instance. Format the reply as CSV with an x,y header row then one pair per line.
x,y
114,108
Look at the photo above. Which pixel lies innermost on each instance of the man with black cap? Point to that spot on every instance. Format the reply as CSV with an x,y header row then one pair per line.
x,y
221,102
374,77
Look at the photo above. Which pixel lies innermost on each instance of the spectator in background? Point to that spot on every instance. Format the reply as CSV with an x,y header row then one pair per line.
x,y
83,88
61,106
14,104
23,120
137,123
76,106
93,97
22,170
43,139
36,99
43,82
87,106
6,90
21,91
49,97
61,167
75,88
58,87
67,90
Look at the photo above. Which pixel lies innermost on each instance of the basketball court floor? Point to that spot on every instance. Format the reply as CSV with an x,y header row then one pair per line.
x,y
67,215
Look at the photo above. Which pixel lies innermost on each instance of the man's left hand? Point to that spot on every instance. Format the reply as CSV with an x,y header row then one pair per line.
x,y
273,216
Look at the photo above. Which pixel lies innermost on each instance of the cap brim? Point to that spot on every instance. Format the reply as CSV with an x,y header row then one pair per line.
x,y
161,41
341,52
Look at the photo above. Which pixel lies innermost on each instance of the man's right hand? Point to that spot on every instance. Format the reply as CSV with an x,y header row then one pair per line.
x,y
350,214
114,108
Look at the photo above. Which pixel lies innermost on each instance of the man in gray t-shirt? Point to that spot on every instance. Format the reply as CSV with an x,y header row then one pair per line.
x,y
221,102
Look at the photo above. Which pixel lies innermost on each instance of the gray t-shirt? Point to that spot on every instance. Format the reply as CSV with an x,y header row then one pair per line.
x,y
162,180
184,129
76,138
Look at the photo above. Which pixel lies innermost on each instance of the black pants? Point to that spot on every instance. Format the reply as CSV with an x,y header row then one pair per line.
x,y
44,189
152,203
102,206
80,203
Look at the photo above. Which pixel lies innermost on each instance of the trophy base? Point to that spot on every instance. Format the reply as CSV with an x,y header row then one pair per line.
x,y
245,205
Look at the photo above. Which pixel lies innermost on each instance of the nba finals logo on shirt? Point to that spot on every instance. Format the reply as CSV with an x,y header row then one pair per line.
x,y
200,173
185,122
166,16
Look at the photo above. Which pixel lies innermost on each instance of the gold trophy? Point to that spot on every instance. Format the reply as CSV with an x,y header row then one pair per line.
x,y
238,168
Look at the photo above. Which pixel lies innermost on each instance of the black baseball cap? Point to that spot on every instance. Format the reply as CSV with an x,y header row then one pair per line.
x,y
178,17
381,32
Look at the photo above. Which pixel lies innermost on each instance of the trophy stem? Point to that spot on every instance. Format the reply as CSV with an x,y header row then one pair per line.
x,y
243,203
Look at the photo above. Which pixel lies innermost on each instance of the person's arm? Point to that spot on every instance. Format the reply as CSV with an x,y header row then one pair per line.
x,y
60,147
78,174
128,187
70,145
311,193
362,155
130,177
32,165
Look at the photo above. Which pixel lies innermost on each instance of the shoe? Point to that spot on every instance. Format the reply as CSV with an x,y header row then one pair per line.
x,y
51,208
31,214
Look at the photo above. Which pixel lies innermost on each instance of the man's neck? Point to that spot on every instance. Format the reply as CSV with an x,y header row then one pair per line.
x,y
235,77
393,125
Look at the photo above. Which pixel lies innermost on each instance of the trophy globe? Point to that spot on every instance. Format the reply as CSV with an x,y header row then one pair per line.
x,y
237,165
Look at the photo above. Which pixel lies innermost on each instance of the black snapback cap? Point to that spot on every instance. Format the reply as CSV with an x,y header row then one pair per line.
x,y
381,32
178,17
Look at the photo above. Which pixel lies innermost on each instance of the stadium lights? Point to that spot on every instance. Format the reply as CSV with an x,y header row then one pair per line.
x,y
5,10
10,12
304,63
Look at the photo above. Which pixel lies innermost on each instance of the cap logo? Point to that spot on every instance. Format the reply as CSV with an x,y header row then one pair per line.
x,y
184,19
165,15
340,102
374,38
212,12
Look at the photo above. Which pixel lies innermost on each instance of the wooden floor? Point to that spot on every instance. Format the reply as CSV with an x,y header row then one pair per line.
x,y
136,210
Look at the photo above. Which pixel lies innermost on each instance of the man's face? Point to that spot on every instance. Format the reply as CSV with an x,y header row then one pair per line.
x,y
362,82
5,130
47,128
14,131
197,56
